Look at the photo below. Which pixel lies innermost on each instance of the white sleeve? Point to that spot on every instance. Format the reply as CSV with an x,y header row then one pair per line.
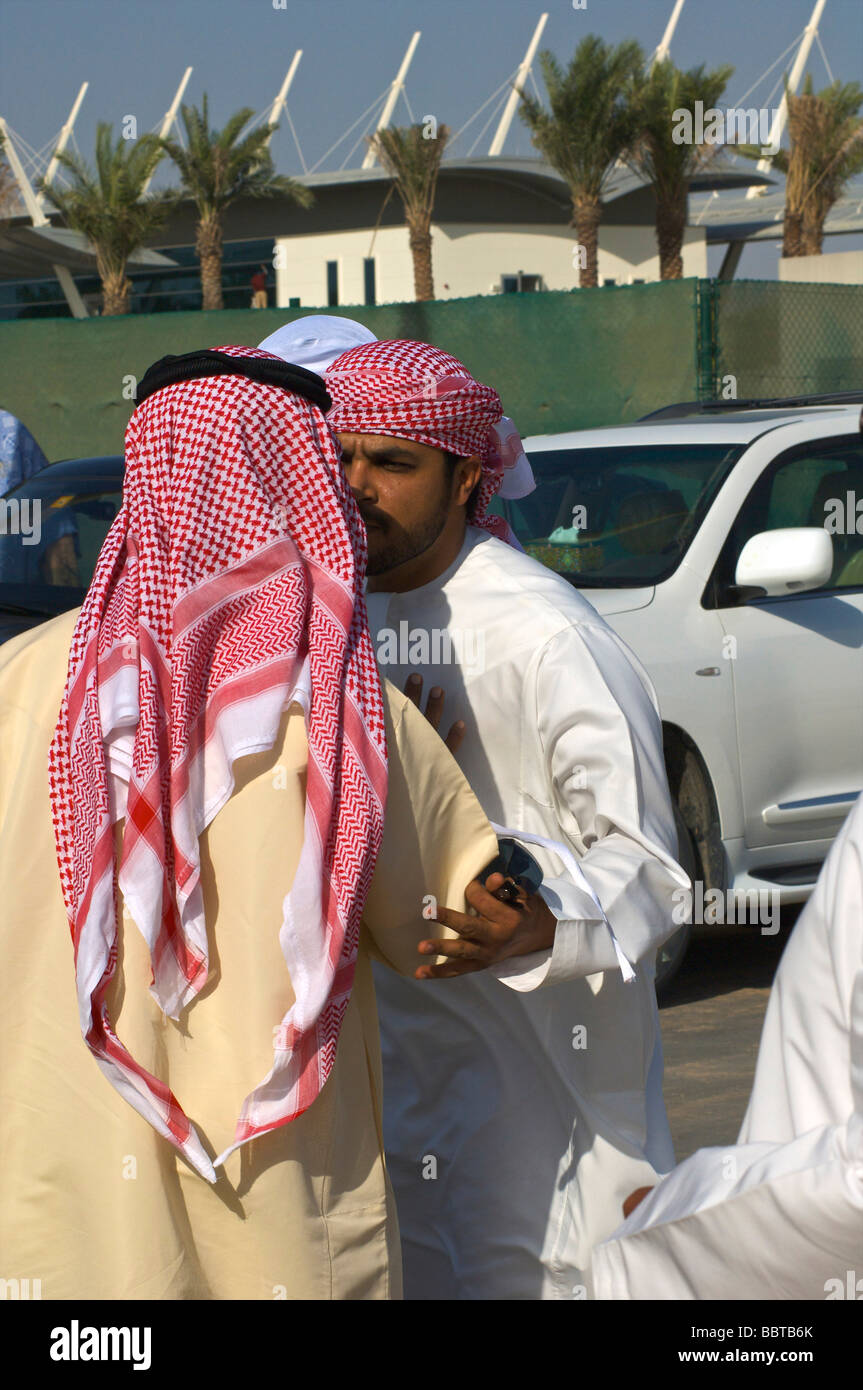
x,y
601,744
779,1215
789,1224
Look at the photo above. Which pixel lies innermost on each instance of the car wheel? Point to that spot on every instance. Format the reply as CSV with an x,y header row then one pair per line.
x,y
669,957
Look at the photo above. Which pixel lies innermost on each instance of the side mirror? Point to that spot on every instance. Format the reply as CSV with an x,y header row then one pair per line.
x,y
788,561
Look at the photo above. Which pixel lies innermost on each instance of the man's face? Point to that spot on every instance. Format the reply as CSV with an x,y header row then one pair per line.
x,y
406,493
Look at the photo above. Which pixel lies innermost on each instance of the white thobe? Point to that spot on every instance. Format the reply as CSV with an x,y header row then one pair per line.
x,y
779,1215
517,1120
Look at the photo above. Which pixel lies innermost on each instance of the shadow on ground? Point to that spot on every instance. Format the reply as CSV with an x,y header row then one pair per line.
x,y
711,1018
723,959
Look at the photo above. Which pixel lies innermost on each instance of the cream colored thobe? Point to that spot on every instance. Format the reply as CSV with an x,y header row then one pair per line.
x,y
93,1202
534,1098
779,1214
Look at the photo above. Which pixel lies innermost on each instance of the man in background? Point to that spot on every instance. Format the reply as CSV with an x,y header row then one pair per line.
x,y
520,1111
259,288
20,455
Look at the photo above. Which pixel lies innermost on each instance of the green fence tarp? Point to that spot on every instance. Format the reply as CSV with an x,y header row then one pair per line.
x,y
787,339
560,360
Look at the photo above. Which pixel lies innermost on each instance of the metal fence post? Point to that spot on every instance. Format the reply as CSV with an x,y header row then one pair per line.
x,y
707,345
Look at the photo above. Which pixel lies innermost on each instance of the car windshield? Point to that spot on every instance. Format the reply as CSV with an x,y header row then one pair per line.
x,y
51,531
617,517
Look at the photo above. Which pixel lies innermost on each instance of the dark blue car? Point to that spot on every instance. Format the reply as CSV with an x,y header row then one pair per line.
x,y
51,531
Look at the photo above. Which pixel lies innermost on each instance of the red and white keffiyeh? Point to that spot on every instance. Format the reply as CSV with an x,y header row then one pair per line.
x,y
414,391
230,584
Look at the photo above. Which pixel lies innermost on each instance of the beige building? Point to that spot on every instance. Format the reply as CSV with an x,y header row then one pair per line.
x,y
501,226
364,267
831,268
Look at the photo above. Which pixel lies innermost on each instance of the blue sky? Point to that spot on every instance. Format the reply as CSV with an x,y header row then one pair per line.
x,y
133,53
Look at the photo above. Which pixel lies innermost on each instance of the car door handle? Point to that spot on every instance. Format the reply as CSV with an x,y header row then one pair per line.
x,y
709,671
813,809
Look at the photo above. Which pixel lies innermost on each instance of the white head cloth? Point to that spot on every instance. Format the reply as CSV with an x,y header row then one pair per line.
x,y
317,340
518,479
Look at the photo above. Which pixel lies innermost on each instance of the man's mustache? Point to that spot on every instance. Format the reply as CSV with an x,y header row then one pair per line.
x,y
371,514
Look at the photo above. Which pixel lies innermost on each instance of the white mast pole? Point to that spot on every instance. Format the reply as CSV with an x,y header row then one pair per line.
x,y
389,106
665,43
64,139
170,115
38,219
280,99
514,98
31,202
780,117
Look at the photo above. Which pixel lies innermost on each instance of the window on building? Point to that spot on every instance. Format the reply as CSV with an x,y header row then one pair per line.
x,y
520,283
154,290
332,283
369,280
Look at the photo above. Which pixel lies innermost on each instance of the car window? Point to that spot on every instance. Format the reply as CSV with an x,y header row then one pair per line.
x,y
617,516
819,485
52,532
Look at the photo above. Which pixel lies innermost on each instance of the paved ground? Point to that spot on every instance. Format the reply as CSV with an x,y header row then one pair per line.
x,y
711,1024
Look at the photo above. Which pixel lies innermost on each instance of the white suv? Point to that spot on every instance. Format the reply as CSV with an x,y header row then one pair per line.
x,y
725,545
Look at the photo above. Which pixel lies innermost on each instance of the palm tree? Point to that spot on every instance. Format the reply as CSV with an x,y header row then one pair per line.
x,y
108,206
589,126
825,137
658,156
216,168
412,158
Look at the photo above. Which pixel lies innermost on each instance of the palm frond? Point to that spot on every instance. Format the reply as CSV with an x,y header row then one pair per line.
x,y
218,166
589,122
413,162
825,134
106,203
667,163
